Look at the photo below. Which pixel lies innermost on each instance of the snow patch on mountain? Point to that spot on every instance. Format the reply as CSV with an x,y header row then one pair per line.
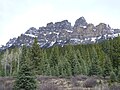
x,y
93,39
62,33
52,43
31,35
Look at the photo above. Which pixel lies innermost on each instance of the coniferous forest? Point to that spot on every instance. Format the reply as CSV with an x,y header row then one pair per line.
x,y
101,59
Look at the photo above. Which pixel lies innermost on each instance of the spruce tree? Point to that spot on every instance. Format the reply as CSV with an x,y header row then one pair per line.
x,y
44,63
48,71
25,79
69,54
83,63
64,67
107,67
77,67
113,77
53,60
35,56
95,68
118,76
67,67
116,53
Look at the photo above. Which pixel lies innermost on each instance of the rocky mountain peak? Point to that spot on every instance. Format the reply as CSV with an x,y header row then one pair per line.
x,y
81,22
63,25
49,25
62,33
103,26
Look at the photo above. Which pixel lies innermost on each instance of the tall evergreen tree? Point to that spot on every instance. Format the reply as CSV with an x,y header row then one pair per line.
x,y
48,70
69,54
107,66
118,76
44,63
95,68
115,52
64,67
53,59
113,77
83,63
25,79
35,56
77,67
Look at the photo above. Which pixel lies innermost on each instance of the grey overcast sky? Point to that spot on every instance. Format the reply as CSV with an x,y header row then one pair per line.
x,y
17,16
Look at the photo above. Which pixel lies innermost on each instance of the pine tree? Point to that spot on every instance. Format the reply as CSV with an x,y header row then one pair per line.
x,y
107,67
25,79
44,63
95,68
118,76
35,56
61,66
69,54
67,67
64,67
113,77
53,60
48,71
115,54
83,64
77,67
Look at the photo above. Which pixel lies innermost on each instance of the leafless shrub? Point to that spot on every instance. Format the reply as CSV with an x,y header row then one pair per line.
x,y
8,85
1,84
1,87
74,81
105,87
89,83
48,86
81,77
115,87
44,78
77,89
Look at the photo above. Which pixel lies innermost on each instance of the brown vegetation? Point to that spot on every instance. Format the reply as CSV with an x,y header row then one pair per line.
x,y
80,82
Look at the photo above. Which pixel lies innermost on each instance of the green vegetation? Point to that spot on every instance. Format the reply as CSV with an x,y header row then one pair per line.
x,y
92,59
25,79
113,77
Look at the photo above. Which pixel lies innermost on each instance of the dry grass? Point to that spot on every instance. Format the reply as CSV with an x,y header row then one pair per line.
x,y
80,82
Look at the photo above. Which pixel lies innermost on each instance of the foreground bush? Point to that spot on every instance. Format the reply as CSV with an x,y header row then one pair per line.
x,y
89,83
48,86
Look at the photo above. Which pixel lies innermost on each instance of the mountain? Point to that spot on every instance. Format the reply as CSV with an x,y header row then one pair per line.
x,y
62,33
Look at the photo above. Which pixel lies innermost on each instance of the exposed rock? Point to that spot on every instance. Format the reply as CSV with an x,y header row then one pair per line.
x,y
63,25
62,33
50,25
81,22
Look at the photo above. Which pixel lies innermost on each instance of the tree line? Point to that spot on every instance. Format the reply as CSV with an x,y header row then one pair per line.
x,y
99,59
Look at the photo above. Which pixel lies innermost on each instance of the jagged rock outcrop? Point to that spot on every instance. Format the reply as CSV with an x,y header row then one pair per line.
x,y
81,22
62,33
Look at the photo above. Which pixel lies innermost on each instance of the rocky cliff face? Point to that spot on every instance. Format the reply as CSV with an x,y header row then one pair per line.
x,y
62,33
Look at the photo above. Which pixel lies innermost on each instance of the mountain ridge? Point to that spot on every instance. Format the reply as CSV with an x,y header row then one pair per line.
x,y
62,33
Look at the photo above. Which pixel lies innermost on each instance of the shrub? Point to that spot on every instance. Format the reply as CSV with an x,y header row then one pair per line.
x,y
89,83
115,87
118,77
113,77
74,81
1,84
48,86
81,77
